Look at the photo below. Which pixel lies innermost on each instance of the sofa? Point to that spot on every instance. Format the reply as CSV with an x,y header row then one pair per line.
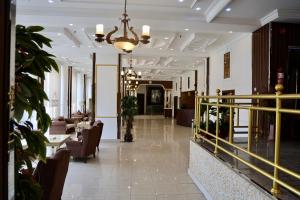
x,y
62,125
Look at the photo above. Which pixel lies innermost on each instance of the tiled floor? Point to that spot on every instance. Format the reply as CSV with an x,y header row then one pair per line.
x,y
153,167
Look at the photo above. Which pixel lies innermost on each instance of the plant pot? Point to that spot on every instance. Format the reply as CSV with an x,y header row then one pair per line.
x,y
128,137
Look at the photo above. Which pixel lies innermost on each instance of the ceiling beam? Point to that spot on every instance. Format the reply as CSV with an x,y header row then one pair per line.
x,y
286,15
214,9
72,37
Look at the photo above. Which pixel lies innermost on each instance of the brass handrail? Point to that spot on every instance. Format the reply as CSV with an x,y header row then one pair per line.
x,y
251,107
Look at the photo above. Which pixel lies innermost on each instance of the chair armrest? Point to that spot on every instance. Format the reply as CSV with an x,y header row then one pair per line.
x,y
73,143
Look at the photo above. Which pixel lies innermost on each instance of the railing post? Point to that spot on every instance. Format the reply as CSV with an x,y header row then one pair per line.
x,y
279,88
207,117
231,124
257,120
250,116
217,121
196,118
238,117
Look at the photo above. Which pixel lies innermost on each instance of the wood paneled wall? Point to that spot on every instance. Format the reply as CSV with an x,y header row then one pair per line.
x,y
187,100
260,60
283,36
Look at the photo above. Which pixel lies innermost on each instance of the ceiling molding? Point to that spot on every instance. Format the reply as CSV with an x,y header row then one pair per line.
x,y
214,9
286,15
269,17
72,37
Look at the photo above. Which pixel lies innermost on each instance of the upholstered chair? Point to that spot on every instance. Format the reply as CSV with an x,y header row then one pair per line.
x,y
100,125
52,174
86,146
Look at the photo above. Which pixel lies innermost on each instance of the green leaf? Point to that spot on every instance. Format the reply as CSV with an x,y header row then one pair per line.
x,y
34,28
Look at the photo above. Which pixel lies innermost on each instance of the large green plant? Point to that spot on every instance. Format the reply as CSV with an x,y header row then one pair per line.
x,y
30,66
129,109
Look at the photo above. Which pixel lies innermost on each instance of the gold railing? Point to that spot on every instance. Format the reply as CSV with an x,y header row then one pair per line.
x,y
202,132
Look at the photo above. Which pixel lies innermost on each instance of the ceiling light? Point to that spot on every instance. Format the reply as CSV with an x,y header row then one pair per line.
x,y
166,38
198,8
228,9
186,29
73,46
51,1
90,46
71,24
172,49
129,40
181,1
160,48
230,32
58,34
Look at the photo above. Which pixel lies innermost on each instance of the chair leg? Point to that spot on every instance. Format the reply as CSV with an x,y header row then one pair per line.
x,y
98,148
94,155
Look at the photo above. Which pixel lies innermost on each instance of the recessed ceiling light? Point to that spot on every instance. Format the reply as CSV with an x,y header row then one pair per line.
x,y
181,1
71,24
186,29
198,8
58,34
160,48
51,1
166,38
228,9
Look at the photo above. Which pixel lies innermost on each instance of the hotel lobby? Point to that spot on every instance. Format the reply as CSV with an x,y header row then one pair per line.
x,y
140,100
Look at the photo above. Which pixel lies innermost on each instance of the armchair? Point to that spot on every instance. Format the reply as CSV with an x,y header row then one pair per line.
x,y
100,125
52,174
87,145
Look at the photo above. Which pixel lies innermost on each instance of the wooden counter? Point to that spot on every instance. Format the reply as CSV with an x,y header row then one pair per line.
x,y
184,117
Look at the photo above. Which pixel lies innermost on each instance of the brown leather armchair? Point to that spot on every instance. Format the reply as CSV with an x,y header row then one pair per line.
x,y
52,174
87,146
100,125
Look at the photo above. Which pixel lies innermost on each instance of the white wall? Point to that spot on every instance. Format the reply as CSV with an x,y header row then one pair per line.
x,y
240,69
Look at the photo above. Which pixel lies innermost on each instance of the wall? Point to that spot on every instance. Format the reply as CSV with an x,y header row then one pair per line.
x,y
240,70
240,63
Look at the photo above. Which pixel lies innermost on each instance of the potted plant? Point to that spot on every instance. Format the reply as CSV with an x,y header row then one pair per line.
x,y
30,66
129,109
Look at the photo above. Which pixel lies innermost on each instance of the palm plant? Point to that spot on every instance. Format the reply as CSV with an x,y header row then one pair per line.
x,y
129,109
30,66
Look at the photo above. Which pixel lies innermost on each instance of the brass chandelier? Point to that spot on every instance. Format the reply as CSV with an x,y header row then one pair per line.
x,y
125,42
130,75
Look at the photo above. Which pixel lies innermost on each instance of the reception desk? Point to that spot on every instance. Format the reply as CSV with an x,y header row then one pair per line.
x,y
184,117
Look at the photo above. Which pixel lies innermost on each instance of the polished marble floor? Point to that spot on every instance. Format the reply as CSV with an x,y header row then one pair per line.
x,y
153,167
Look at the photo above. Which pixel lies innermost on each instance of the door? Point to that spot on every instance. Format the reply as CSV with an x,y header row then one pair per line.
x,y
292,86
175,106
7,51
141,103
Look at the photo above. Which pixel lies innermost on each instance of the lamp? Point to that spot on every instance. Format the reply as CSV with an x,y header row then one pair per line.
x,y
125,43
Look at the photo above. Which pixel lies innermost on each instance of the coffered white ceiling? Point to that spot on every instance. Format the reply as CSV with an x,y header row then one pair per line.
x,y
183,31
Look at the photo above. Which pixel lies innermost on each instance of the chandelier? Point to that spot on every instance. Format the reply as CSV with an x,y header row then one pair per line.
x,y
126,42
130,75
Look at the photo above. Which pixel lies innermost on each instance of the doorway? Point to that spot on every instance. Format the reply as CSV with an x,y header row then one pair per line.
x,y
292,86
175,106
141,103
